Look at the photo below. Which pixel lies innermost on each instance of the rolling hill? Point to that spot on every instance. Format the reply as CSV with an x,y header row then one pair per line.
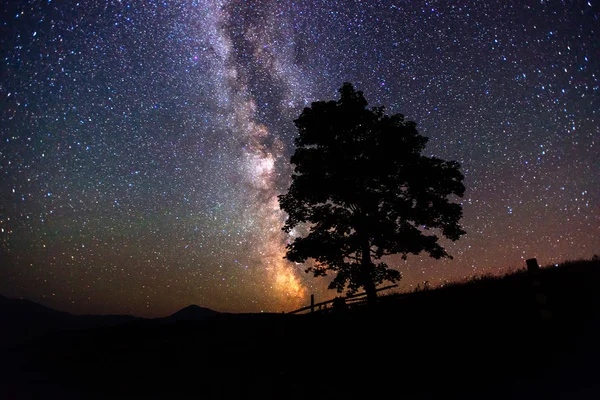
x,y
521,336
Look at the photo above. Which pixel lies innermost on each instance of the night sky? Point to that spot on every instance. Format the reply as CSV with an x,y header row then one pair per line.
x,y
143,143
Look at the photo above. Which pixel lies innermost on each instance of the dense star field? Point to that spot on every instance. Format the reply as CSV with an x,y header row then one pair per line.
x,y
143,143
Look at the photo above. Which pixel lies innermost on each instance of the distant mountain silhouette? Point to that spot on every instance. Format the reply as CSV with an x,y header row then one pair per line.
x,y
24,319
192,313
21,308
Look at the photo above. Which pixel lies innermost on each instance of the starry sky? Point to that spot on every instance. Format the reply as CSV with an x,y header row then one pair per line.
x,y
144,143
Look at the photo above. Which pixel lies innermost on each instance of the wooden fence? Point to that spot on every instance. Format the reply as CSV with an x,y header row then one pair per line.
x,y
533,270
352,300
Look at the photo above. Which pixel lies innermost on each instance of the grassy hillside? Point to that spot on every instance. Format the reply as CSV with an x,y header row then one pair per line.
x,y
519,336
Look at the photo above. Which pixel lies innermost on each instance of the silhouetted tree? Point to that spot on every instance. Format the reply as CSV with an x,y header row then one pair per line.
x,y
364,191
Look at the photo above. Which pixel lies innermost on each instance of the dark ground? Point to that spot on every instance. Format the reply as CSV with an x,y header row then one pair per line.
x,y
486,339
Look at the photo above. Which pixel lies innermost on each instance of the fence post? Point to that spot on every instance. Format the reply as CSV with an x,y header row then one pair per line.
x,y
312,303
532,265
541,299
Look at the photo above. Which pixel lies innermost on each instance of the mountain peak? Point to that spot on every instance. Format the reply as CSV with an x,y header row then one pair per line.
x,y
192,312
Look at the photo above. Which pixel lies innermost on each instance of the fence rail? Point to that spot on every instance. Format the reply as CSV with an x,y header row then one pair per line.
x,y
353,299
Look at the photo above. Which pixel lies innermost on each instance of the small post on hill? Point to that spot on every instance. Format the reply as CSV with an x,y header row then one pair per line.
x,y
532,265
541,299
312,303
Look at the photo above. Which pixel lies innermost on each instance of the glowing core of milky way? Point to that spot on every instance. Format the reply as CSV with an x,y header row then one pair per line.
x,y
260,154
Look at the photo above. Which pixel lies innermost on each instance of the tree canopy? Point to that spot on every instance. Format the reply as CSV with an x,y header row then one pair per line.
x,y
362,190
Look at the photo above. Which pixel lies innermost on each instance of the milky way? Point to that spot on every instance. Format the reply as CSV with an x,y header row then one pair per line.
x,y
144,143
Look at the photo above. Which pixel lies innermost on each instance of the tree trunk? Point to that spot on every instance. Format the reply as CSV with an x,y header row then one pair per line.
x,y
371,292
367,266
367,270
